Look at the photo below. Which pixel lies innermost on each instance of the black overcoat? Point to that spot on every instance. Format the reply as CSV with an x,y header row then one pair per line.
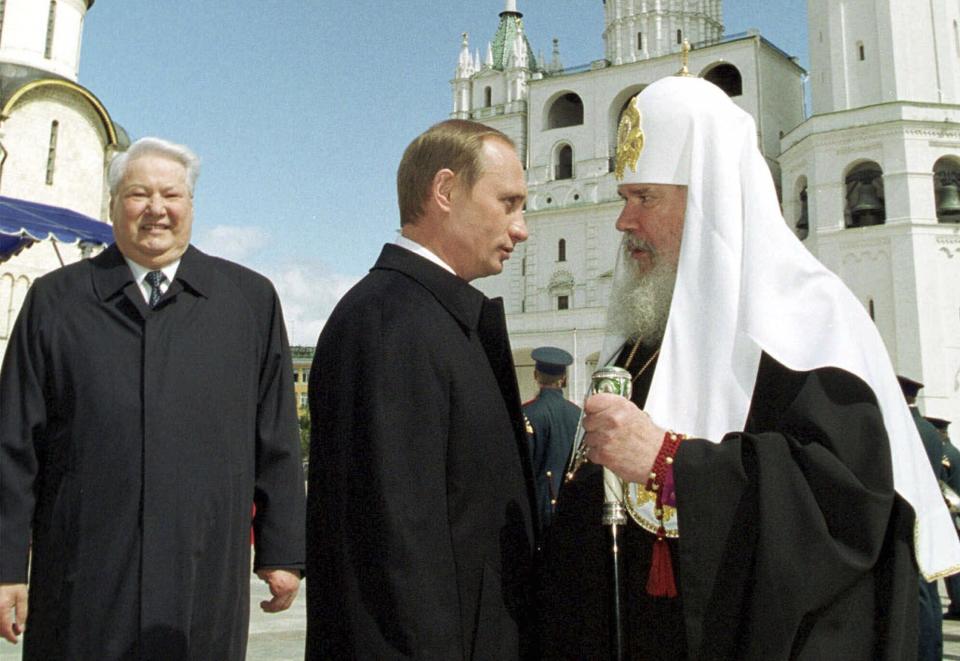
x,y
133,442
793,543
420,517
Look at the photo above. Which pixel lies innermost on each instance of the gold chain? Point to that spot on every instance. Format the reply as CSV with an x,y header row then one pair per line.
x,y
633,352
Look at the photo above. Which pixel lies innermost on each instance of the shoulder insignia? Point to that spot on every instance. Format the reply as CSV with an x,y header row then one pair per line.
x,y
526,423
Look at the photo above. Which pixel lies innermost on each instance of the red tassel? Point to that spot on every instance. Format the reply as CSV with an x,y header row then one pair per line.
x,y
660,582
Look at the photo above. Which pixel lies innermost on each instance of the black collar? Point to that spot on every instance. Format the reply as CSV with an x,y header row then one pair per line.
x,y
111,273
461,300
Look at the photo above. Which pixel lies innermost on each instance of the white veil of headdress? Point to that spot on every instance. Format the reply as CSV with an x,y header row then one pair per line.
x,y
746,285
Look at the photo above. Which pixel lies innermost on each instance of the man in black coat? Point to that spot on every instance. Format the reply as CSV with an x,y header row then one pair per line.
x,y
420,518
552,422
145,406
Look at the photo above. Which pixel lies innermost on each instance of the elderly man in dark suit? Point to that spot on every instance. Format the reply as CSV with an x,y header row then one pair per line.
x,y
145,403
420,505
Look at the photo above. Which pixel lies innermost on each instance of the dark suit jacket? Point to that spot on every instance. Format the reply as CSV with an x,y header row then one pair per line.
x,y
420,498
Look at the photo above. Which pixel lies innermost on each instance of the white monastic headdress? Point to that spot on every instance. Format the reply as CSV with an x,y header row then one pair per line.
x,y
746,285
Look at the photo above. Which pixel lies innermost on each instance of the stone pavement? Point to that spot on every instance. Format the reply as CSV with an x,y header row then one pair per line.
x,y
951,639
280,636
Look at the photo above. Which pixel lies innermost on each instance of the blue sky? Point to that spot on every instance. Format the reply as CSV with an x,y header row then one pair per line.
x,y
300,110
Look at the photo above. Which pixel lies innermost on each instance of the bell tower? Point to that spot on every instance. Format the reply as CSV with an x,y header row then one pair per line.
x,y
866,52
641,29
43,34
871,181
494,90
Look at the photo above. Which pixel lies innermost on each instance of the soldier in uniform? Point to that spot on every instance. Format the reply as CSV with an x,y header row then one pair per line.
x,y
551,424
931,632
951,475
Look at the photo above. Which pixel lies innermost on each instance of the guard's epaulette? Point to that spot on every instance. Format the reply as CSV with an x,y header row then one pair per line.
x,y
526,423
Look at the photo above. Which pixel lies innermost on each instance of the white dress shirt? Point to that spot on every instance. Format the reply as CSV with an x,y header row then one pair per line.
x,y
426,253
140,274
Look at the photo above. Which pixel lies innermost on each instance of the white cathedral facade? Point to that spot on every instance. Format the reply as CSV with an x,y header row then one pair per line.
x,y
869,180
56,137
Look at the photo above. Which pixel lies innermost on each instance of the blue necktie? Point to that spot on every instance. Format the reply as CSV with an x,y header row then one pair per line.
x,y
154,278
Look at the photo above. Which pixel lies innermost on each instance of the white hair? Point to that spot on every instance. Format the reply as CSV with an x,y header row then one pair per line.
x,y
640,302
143,146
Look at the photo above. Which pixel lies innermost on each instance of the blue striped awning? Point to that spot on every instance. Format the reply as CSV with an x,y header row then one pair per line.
x,y
23,223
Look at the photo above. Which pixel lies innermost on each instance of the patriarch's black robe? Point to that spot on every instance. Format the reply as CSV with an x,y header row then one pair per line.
x,y
133,443
793,543
420,505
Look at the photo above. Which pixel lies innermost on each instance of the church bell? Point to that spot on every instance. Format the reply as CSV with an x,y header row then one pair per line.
x,y
948,208
869,209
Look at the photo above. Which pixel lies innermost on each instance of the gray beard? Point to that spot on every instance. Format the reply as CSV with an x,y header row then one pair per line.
x,y
640,304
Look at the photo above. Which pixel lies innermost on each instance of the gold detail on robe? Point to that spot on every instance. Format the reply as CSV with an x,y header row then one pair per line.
x,y
642,505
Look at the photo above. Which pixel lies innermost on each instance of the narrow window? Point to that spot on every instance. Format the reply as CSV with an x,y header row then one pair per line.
x,y
563,302
860,51
523,266
679,36
562,250
564,167
51,23
52,150
871,309
487,97
640,40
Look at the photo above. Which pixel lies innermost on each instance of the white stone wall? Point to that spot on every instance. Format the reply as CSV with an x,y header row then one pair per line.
x,y
781,108
78,181
658,20
926,60
497,83
24,35
909,268
911,52
910,272
904,139
940,324
839,80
